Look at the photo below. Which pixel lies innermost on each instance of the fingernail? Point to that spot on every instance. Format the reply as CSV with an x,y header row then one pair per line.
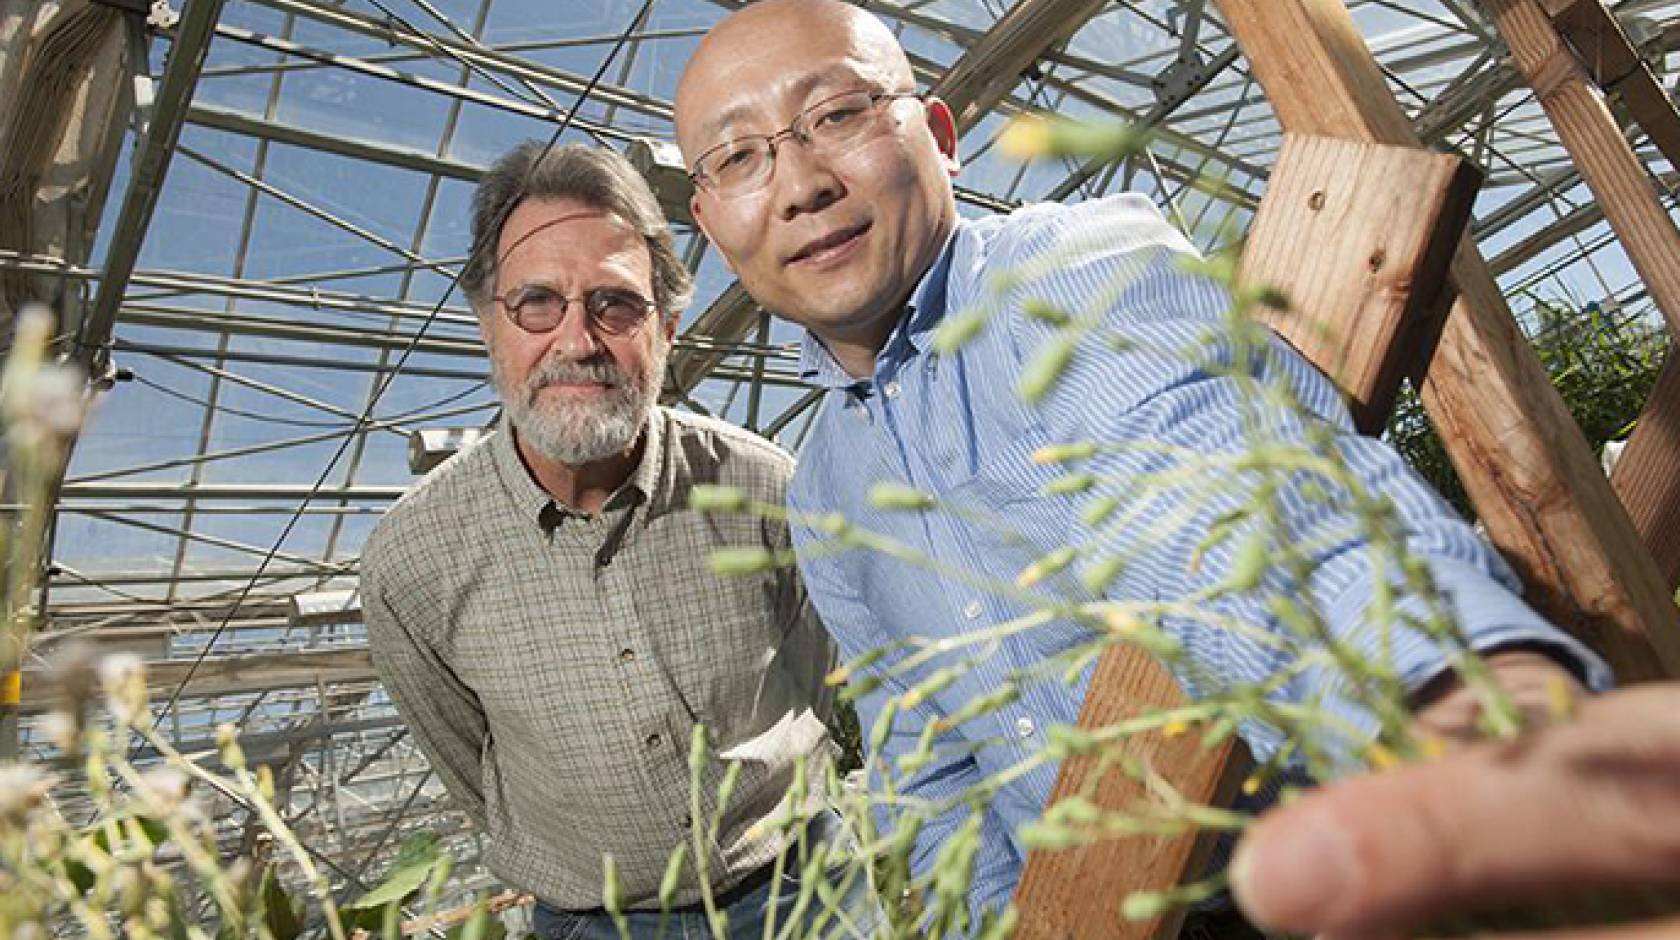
x,y
1292,877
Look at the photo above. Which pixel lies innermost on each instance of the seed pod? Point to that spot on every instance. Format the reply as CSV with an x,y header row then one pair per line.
x,y
707,497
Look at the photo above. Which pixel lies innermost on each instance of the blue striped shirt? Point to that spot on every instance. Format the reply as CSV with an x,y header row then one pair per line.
x,y
955,427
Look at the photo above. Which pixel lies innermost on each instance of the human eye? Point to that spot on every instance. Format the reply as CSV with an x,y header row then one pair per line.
x,y
617,308
737,158
534,296
844,113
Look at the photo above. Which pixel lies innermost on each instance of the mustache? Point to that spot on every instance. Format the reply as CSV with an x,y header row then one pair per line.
x,y
600,370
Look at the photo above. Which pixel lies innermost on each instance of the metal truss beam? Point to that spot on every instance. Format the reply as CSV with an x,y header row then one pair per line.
x,y
519,106
177,283
147,172
153,491
992,67
228,675
402,158
472,54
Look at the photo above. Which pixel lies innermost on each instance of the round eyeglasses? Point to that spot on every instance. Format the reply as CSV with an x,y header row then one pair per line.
x,y
539,309
743,165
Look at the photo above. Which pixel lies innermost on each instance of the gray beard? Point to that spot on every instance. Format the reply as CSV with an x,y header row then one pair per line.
x,y
573,433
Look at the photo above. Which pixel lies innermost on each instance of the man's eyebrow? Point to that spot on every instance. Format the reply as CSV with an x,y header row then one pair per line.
x,y
838,73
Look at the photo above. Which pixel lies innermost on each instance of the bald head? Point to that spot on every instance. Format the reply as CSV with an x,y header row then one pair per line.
x,y
823,178
766,37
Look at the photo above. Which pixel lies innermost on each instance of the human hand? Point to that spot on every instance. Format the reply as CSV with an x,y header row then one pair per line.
x,y
1540,689
1587,810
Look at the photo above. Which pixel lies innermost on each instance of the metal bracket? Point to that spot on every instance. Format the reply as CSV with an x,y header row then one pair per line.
x,y
1180,79
162,15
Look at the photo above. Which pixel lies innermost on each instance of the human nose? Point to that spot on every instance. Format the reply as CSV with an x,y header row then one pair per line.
x,y
803,178
574,336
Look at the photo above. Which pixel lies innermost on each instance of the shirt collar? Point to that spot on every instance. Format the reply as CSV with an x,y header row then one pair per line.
x,y
648,482
910,335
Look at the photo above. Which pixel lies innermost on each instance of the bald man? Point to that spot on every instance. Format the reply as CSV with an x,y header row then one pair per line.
x,y
824,178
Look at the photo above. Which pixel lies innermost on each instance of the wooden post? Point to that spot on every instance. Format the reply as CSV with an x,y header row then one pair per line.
x,y
1570,51
1358,236
1645,477
1523,459
1077,892
1590,133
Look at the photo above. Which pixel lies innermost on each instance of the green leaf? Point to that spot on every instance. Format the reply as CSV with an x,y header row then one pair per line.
x,y
156,831
80,875
408,872
278,914
744,560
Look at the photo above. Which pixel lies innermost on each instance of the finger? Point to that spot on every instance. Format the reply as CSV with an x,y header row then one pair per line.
x,y
1594,803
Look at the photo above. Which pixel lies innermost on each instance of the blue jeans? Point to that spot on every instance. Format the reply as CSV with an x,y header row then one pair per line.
x,y
747,914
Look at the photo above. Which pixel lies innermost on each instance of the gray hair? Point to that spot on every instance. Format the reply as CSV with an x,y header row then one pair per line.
x,y
595,176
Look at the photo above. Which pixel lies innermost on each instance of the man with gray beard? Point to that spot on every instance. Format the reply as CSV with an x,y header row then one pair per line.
x,y
539,606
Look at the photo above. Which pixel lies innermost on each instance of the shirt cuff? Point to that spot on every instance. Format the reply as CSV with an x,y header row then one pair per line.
x,y
1489,615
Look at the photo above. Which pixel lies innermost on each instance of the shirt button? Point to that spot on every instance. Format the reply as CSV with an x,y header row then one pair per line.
x,y
627,655
973,610
890,389
1024,726
653,740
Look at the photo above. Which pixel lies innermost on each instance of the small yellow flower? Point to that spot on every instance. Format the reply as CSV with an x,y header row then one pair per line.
x,y
1560,699
1175,728
1120,622
1381,758
1026,137
1252,785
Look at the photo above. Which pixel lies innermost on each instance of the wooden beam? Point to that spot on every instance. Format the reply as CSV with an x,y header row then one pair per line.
x,y
1570,51
1645,476
1358,237
1523,459
1078,892
1589,131
1605,51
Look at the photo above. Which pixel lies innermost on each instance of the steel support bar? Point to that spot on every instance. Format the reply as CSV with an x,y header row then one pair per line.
x,y
992,67
1152,119
230,675
517,106
311,297
473,55
146,178
154,491
402,158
